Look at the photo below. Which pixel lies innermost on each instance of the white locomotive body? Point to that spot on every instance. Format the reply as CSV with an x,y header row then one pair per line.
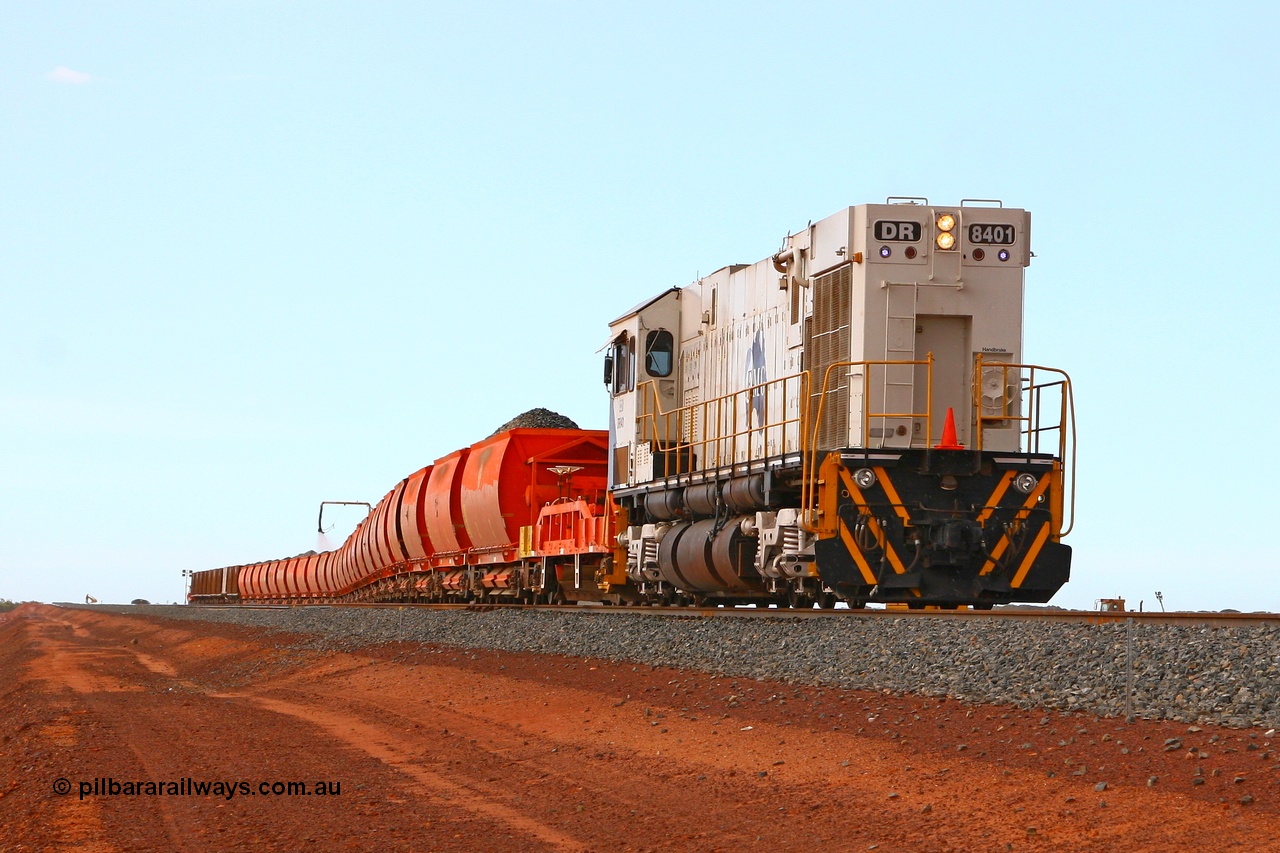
x,y
888,336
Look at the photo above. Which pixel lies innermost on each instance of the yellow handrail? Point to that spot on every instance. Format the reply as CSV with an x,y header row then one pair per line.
x,y
722,434
723,431
1033,422
808,497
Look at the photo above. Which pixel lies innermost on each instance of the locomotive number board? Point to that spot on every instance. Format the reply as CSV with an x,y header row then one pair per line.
x,y
991,235
903,232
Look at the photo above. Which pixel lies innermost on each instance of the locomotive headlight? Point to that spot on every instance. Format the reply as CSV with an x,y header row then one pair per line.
x,y
865,478
1025,483
946,224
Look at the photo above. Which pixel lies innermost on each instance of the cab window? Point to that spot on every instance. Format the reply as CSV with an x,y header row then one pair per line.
x,y
659,351
619,364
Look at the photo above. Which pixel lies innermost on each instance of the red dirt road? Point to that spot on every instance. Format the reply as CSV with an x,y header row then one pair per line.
x,y
436,748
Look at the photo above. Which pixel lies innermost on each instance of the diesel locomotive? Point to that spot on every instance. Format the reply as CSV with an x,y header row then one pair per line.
x,y
850,419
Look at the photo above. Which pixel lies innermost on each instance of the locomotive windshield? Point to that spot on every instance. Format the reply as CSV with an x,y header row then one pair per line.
x,y
658,351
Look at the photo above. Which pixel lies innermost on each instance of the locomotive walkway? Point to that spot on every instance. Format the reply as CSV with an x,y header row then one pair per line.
x,y
437,748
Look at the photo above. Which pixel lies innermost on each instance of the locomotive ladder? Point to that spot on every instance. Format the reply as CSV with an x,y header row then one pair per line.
x,y
899,379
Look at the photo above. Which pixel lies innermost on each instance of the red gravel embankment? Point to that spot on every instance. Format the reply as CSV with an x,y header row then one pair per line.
x,y
437,748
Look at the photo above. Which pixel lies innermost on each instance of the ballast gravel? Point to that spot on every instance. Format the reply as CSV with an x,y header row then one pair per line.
x,y
1229,676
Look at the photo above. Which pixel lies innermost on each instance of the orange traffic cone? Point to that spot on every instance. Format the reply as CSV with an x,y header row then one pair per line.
x,y
949,441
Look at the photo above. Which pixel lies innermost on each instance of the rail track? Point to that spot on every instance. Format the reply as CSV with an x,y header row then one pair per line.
x,y
1221,619
1216,667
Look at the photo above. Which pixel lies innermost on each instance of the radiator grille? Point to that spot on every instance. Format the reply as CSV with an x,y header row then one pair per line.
x,y
827,343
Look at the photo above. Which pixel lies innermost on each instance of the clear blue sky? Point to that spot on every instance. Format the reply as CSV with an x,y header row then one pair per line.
x,y
254,256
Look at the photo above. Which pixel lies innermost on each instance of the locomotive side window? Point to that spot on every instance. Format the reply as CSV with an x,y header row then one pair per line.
x,y
623,362
659,352
629,378
619,364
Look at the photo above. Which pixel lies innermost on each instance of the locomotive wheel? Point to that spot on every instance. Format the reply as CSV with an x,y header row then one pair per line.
x,y
799,600
827,600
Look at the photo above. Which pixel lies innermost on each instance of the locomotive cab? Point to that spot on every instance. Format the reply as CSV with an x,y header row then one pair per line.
x,y
641,376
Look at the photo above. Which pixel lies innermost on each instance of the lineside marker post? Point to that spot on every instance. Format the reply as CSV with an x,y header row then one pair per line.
x,y
1128,666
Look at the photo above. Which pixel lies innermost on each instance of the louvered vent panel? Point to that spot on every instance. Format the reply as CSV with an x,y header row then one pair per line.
x,y
826,343
691,417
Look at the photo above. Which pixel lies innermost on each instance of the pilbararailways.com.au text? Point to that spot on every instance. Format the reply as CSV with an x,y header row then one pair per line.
x,y
187,787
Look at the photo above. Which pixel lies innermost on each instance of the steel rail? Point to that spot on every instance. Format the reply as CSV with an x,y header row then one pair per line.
x,y
1023,614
